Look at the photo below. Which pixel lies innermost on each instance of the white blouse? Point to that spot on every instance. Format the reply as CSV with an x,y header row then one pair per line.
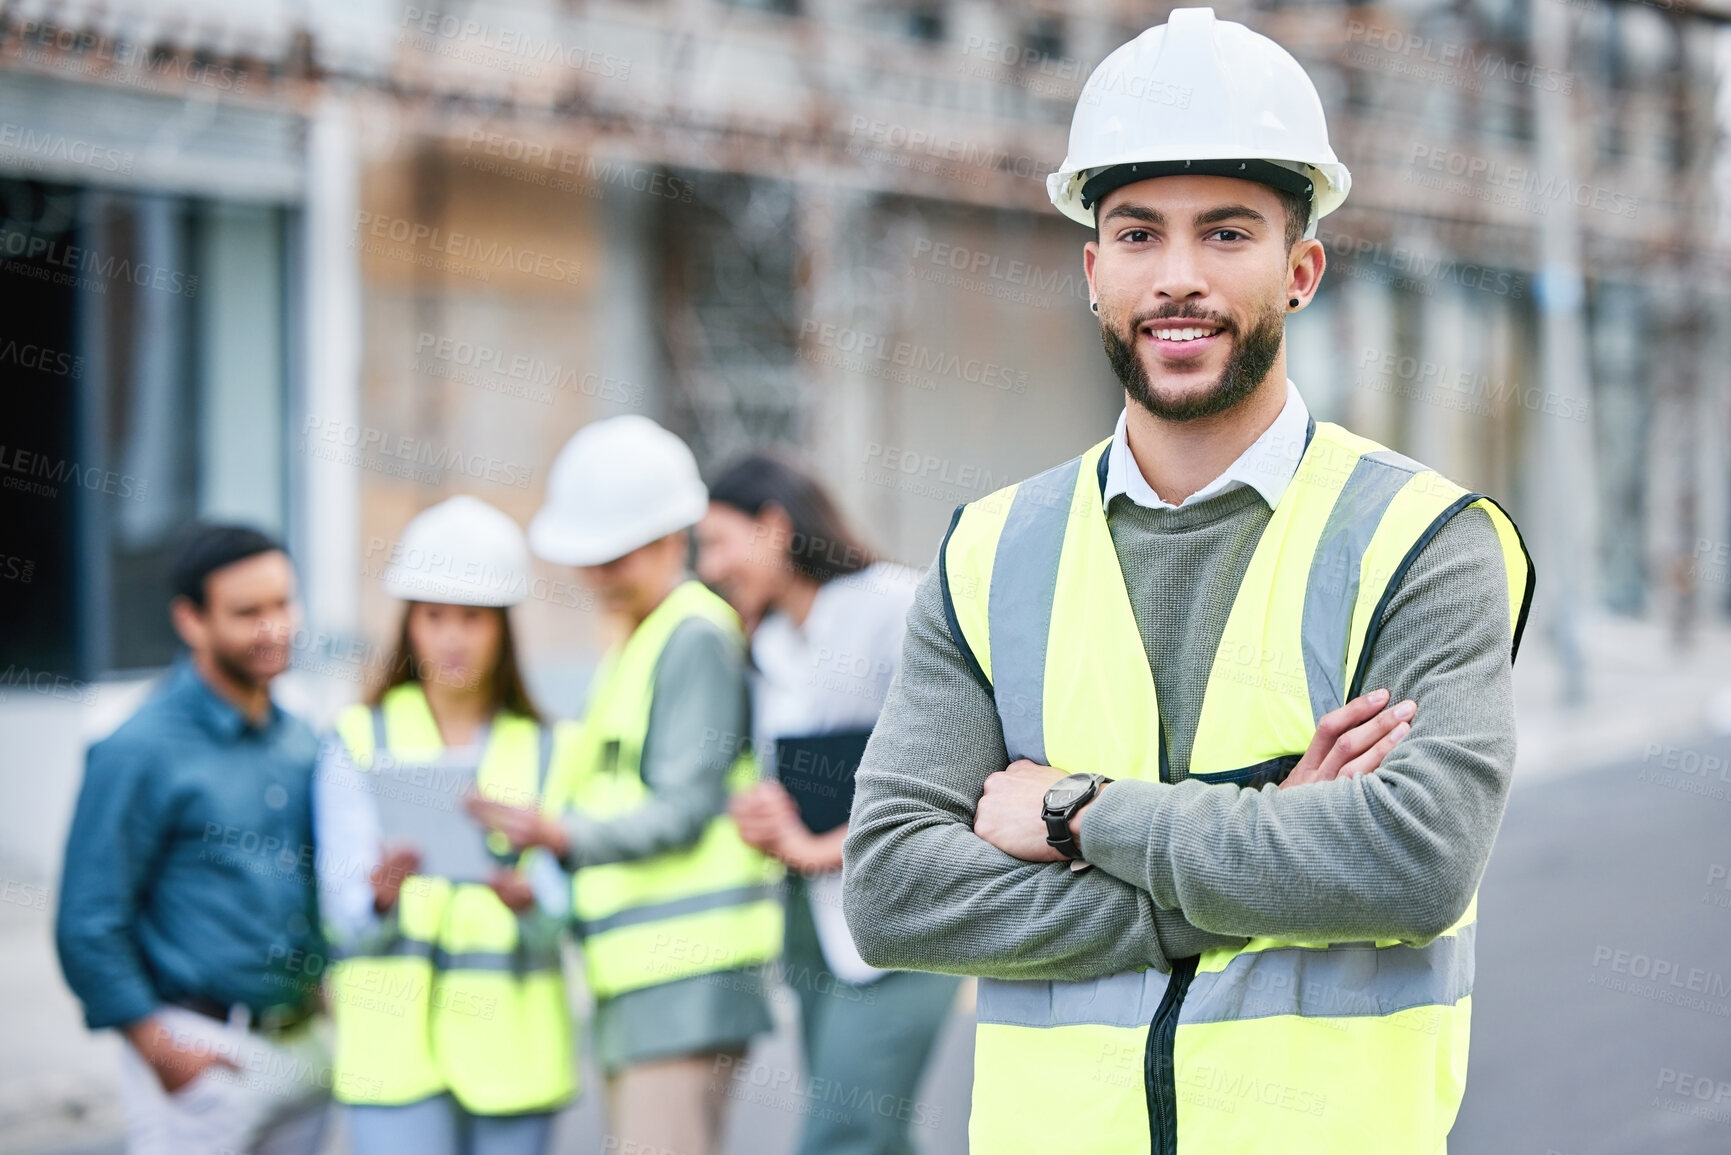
x,y
833,673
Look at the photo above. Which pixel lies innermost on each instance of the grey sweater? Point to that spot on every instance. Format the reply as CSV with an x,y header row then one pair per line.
x,y
1183,866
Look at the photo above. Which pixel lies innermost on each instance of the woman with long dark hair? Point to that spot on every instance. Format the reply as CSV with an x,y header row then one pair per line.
x,y
453,1036
826,618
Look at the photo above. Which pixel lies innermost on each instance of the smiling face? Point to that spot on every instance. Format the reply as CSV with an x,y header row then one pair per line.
x,y
248,616
1193,275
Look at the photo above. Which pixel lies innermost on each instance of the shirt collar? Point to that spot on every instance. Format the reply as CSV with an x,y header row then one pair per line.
x,y
1267,466
210,709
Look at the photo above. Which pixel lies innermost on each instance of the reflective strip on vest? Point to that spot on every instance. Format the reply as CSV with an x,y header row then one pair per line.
x,y
1332,590
1343,980
690,904
1306,1048
456,1001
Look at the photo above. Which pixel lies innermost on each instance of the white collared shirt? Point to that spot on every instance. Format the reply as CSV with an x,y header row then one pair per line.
x,y
1267,466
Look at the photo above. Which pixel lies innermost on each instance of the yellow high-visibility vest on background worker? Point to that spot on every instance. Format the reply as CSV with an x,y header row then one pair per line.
x,y
1305,1048
450,996
707,907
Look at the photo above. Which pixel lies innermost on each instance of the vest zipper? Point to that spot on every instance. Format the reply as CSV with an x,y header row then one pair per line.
x,y
1159,1066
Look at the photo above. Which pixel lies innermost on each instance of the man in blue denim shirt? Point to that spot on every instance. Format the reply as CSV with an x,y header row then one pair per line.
x,y
188,915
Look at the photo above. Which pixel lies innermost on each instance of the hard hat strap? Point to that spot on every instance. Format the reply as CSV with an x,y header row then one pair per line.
x,y
1261,171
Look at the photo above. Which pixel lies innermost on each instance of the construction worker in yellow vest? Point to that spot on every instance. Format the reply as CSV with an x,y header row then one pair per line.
x,y
677,916
453,1033
1203,736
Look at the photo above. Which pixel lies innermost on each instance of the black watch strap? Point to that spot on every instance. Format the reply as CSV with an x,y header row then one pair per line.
x,y
1058,834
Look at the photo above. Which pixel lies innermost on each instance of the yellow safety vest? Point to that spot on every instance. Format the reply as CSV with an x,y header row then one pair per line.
x,y
451,998
707,907
1305,1048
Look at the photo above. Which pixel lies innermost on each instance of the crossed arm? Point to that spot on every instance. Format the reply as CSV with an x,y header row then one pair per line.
x,y
1181,868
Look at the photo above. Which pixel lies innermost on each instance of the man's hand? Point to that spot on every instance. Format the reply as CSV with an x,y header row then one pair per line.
x,y
1353,740
1008,815
513,890
522,827
388,876
175,1064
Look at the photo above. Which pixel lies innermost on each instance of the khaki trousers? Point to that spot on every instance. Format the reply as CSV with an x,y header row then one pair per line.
x,y
670,1106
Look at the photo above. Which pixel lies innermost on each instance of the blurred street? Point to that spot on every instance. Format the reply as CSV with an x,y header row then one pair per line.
x,y
1580,1045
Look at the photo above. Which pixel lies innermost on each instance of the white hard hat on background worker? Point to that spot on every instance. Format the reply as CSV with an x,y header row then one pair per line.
x,y
462,552
1203,97
618,484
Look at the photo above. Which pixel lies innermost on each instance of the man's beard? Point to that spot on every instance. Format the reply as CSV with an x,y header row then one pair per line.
x,y
1253,355
234,667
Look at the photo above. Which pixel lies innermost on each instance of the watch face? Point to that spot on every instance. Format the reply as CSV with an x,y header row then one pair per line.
x,y
1065,791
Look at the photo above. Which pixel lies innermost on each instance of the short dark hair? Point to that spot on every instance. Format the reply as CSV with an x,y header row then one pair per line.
x,y
1297,215
208,548
823,545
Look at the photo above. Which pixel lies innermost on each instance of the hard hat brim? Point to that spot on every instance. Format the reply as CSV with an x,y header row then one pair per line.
x,y
563,544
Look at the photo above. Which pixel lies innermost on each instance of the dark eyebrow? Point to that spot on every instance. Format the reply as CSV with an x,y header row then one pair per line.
x,y
1136,212
1230,213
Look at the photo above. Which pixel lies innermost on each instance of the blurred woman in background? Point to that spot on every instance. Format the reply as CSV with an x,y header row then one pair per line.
x,y
452,1033
826,624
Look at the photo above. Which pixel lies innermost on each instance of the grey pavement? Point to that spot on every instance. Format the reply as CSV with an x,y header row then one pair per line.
x,y
1602,1010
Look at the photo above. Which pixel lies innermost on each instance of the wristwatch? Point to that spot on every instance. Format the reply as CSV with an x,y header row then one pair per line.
x,y
1066,796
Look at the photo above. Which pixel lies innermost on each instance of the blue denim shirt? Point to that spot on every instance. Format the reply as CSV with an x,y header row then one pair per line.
x,y
189,865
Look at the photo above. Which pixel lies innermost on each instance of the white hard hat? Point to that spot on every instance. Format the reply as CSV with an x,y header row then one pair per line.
x,y
618,484
1203,96
460,552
